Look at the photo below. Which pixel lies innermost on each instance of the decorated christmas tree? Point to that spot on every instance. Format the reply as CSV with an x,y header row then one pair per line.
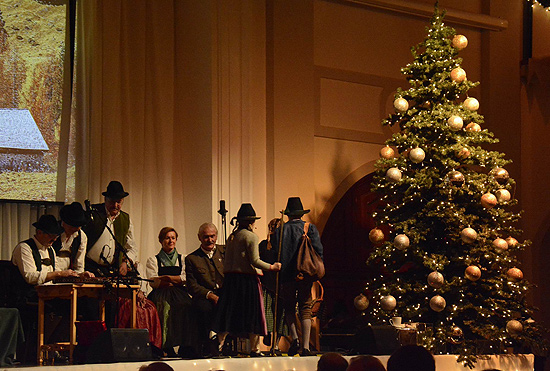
x,y
446,240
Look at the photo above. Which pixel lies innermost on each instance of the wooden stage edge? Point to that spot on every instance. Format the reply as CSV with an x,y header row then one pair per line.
x,y
515,362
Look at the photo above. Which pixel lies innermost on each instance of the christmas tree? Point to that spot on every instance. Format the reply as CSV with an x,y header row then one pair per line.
x,y
446,241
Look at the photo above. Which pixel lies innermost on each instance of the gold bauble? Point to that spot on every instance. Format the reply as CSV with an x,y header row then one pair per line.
x,y
387,152
514,327
472,126
473,273
458,74
401,242
455,123
512,242
436,280
460,42
503,195
468,235
401,105
500,244
417,155
437,303
361,302
376,236
488,200
393,174
388,303
471,104
456,336
501,175
514,274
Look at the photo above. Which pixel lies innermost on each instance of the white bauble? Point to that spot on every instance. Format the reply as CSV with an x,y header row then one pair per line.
x,y
401,242
455,123
393,174
471,104
401,105
514,327
436,280
388,303
417,155
437,303
503,195
500,244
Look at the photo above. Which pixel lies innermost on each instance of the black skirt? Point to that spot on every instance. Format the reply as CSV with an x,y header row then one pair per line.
x,y
240,309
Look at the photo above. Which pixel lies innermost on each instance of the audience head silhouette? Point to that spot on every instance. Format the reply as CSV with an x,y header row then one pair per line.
x,y
365,363
411,358
332,362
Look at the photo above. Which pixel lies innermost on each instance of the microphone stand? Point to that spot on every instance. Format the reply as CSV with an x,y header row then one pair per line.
x,y
223,212
275,323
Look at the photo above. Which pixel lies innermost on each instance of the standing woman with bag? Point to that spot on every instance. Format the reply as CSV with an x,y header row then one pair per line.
x,y
240,309
295,286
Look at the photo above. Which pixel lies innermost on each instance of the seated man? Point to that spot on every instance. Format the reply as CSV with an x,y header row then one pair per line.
x,y
36,260
204,272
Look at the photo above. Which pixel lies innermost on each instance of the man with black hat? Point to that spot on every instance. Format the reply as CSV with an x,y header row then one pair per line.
x,y
293,291
70,247
102,255
36,258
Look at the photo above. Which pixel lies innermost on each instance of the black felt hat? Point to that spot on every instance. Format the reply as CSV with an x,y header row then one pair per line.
x,y
48,224
246,212
294,207
115,191
73,214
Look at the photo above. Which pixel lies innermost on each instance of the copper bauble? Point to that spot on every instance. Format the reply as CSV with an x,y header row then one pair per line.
x,y
460,42
455,123
463,153
500,244
417,155
473,127
503,195
388,303
471,104
514,327
468,235
512,242
387,152
514,274
401,241
456,178
488,200
458,74
473,273
361,302
500,175
401,105
437,303
376,236
393,174
436,279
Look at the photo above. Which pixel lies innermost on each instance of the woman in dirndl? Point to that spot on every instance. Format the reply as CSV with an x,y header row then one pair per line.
x,y
240,310
169,292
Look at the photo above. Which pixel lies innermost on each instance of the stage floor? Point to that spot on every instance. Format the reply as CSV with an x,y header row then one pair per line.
x,y
517,362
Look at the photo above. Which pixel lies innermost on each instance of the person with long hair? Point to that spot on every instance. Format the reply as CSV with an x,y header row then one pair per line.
x,y
240,310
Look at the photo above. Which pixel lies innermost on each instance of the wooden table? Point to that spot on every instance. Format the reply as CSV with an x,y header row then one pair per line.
x,y
72,291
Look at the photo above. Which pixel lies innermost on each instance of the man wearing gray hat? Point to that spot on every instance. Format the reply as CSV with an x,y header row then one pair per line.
x,y
102,254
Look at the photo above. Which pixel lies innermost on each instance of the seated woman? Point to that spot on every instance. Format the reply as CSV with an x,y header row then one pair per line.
x,y
169,293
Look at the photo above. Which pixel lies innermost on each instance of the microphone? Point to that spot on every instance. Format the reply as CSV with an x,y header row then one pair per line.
x,y
102,257
89,209
222,211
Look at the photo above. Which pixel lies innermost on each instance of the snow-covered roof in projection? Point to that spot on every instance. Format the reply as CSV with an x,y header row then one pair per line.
x,y
19,131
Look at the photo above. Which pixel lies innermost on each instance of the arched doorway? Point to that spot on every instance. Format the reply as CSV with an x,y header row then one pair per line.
x,y
346,245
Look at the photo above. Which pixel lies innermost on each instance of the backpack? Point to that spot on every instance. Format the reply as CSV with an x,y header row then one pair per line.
x,y
309,264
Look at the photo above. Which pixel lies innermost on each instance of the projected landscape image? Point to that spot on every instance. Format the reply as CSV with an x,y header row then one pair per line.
x,y
32,47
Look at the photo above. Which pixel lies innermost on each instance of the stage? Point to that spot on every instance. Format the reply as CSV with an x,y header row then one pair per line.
x,y
516,362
